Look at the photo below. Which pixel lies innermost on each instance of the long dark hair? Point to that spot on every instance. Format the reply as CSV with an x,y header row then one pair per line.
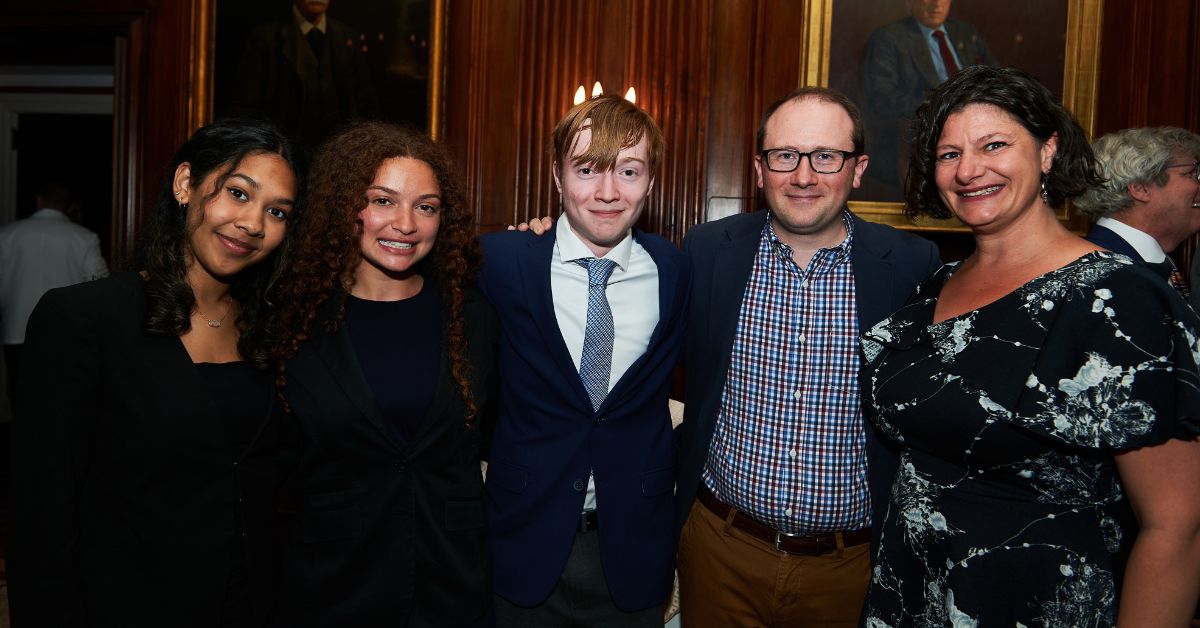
x,y
1029,103
161,254
327,238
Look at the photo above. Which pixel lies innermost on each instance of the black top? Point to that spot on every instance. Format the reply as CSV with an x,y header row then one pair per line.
x,y
398,344
125,489
235,389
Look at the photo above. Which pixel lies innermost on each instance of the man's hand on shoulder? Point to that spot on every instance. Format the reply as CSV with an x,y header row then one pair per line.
x,y
538,226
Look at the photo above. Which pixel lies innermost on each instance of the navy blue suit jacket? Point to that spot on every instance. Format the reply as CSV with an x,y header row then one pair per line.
x,y
887,264
547,436
1109,239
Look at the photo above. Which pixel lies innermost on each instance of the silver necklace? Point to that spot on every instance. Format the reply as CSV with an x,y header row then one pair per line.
x,y
214,322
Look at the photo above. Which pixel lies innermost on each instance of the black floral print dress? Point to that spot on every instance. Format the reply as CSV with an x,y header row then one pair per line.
x,y
1008,509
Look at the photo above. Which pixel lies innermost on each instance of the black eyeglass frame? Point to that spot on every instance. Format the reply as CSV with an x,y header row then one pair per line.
x,y
765,155
1194,164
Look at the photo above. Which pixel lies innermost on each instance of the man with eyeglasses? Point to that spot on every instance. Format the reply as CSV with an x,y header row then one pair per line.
x,y
1150,201
778,473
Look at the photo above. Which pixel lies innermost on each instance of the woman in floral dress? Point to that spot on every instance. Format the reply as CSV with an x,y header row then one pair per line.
x,y
1042,393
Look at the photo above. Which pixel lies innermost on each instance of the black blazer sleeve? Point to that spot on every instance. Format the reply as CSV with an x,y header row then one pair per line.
x,y
51,435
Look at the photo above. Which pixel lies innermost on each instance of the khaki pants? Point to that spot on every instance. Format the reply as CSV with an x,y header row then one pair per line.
x,y
730,578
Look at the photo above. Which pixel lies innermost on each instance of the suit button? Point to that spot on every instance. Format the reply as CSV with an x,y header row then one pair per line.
x,y
597,421
401,466
579,485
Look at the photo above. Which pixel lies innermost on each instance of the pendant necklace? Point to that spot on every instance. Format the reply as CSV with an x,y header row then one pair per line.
x,y
214,322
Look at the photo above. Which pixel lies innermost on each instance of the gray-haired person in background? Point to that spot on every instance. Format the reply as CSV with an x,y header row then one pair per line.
x,y
1150,201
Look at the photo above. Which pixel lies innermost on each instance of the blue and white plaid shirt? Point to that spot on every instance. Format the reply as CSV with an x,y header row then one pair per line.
x,y
789,444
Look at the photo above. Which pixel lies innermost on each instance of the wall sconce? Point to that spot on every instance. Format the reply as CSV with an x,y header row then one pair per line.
x,y
597,89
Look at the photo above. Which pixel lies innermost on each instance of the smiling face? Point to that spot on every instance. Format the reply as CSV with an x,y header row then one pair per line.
x,y
806,207
243,222
989,168
603,205
1174,203
400,221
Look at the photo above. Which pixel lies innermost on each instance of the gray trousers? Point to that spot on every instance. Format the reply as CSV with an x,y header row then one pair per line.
x,y
580,599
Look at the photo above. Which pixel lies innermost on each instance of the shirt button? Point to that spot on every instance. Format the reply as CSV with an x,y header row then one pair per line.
x,y
791,453
804,284
788,512
800,339
401,466
797,395
579,485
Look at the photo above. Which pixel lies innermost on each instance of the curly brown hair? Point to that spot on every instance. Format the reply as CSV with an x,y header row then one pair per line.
x,y
326,250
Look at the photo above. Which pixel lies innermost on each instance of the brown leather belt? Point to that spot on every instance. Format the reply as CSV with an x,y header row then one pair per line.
x,y
800,544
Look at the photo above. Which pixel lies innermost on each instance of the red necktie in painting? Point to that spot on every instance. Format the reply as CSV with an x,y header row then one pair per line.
x,y
947,56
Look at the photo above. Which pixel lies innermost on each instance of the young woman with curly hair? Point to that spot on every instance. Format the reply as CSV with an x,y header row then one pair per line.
x,y
147,430
388,358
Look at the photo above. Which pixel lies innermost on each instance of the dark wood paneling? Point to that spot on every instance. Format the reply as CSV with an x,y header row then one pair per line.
x,y
1149,65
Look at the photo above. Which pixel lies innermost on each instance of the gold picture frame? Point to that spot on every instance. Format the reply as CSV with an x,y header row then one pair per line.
x,y
1080,64
202,55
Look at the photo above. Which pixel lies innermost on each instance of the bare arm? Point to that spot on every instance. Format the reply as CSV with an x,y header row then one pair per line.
x,y
1162,578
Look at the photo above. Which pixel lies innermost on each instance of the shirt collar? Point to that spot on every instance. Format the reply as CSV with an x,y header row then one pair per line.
x,y
50,212
305,25
1142,242
841,250
571,248
927,32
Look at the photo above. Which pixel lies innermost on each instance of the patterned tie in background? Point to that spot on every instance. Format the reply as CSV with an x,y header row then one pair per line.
x,y
947,56
595,365
1177,281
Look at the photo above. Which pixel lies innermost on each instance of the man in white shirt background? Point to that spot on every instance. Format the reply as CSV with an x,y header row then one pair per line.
x,y
39,253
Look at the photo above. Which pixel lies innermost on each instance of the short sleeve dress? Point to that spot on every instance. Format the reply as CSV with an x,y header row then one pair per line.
x,y
1008,509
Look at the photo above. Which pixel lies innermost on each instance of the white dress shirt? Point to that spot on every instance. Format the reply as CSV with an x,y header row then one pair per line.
x,y
38,253
632,297
1142,242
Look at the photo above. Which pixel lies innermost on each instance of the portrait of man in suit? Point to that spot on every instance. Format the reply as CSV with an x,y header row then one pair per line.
x,y
306,72
580,473
901,62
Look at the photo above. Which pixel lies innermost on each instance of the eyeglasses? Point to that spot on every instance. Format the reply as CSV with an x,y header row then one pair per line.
x,y
1194,165
823,161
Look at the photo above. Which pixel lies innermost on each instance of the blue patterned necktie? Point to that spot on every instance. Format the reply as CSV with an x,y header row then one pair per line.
x,y
595,365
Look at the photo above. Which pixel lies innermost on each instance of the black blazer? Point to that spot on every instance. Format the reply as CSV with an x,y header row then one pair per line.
x,y
887,265
388,533
128,505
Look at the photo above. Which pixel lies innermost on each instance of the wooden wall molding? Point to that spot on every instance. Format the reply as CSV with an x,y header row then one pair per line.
x,y
536,52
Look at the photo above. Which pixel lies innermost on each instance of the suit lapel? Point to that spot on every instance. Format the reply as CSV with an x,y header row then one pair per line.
x,y
731,268
445,392
337,354
918,51
533,264
873,287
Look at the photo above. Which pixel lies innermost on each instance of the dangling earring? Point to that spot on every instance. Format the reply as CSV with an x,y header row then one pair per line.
x,y
1045,194
179,199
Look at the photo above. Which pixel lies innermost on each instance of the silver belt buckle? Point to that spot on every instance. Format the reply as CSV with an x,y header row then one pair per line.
x,y
780,534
